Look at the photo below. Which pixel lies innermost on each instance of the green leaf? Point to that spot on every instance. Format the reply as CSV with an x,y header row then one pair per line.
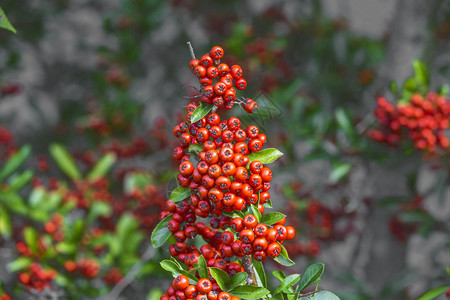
x,y
421,73
136,180
66,248
221,277
19,264
4,22
238,279
202,110
283,258
311,274
286,283
99,209
340,171
15,161
126,225
161,233
180,193
344,121
31,237
197,148
249,292
65,161
265,156
37,197
5,223
279,275
202,268
102,167
256,212
272,218
176,270
260,273
322,295
20,180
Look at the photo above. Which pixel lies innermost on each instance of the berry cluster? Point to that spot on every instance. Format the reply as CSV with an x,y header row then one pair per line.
x,y
223,183
219,81
425,120
36,277
88,268
204,289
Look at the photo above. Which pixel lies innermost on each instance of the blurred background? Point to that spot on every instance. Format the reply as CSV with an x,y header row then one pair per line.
x,y
90,92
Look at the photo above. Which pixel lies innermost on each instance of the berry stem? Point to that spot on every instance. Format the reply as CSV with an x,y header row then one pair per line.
x,y
248,266
191,50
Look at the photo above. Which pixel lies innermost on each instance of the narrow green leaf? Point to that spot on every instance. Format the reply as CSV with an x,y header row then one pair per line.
x,y
238,279
286,283
202,267
311,274
421,73
20,180
234,214
175,269
221,277
340,171
19,264
279,275
272,218
266,156
180,193
434,293
256,212
65,161
249,292
202,110
322,295
15,161
5,223
66,248
4,22
37,197
102,167
161,233
260,273
344,121
283,258
31,236
125,226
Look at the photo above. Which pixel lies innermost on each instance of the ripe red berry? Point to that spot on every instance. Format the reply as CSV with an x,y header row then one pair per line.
x,y
204,285
216,52
181,282
273,249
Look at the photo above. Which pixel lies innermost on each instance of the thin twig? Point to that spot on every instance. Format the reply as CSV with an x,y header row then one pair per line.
x,y
248,266
191,49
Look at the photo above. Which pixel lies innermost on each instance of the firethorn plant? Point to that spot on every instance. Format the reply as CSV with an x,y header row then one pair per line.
x,y
217,213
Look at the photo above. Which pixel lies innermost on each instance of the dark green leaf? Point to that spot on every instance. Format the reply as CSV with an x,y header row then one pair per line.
x,y
4,22
19,264
161,233
176,270
102,167
15,161
202,268
202,110
286,283
283,258
180,193
65,161
322,295
265,156
344,121
272,218
238,279
260,273
249,292
340,171
221,277
311,274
